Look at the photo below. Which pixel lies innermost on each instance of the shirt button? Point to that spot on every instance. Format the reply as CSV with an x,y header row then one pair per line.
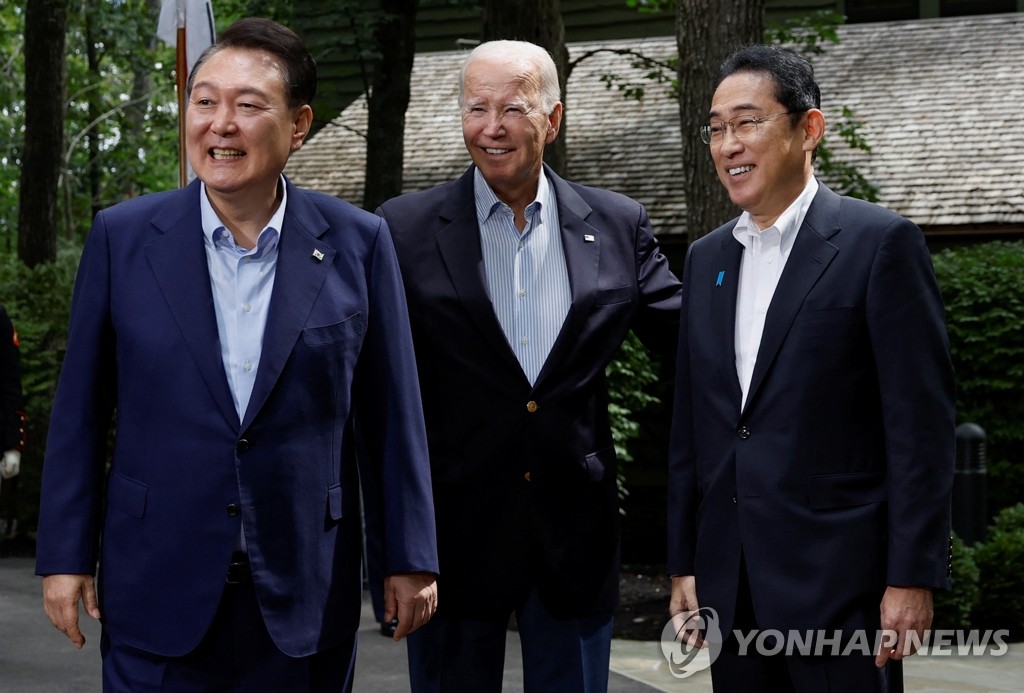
x,y
743,432
531,406
233,510
524,341
522,292
246,307
247,365
521,244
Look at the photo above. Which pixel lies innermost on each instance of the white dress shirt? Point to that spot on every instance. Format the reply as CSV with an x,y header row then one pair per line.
x,y
765,252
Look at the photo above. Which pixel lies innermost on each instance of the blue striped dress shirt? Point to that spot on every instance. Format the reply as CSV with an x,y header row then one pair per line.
x,y
242,282
526,274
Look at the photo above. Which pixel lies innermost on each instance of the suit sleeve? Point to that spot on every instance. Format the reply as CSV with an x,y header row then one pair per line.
x,y
390,417
11,399
658,319
76,448
906,325
682,471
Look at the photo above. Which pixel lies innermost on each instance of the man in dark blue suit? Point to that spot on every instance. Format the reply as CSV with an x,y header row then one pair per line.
x,y
521,288
812,450
241,329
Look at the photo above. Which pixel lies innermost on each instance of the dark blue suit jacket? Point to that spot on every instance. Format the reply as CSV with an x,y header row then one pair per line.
x,y
185,471
835,478
524,477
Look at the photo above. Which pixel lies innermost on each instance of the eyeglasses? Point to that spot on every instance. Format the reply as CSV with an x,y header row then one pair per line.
x,y
742,127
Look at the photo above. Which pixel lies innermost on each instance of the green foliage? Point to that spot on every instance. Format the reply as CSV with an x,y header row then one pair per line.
x,y
999,560
629,373
953,608
39,302
12,118
981,286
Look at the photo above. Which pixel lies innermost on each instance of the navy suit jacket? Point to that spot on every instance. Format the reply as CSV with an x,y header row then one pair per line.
x,y
186,471
835,479
524,476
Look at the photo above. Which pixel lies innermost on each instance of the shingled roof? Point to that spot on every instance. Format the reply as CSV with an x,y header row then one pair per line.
x,y
939,101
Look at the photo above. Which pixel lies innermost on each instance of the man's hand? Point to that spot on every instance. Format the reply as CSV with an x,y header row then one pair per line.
x,y
684,601
904,610
10,464
61,594
412,598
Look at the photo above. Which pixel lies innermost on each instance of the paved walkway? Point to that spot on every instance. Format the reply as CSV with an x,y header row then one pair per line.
x,y
34,658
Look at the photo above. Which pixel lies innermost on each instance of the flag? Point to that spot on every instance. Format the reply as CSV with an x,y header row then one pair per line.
x,y
196,18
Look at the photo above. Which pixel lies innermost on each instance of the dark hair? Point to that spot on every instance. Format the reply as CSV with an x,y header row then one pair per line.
x,y
259,34
792,75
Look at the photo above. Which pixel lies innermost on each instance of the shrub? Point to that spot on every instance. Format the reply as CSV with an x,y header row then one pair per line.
x,y
981,286
39,303
999,560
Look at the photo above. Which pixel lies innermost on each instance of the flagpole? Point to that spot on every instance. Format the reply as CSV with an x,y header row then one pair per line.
x,y
181,72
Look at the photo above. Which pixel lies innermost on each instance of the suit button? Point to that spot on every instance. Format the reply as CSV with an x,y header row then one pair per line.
x,y
743,432
531,406
734,500
232,510
242,445
526,476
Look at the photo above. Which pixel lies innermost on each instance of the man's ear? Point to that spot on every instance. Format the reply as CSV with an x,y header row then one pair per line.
x,y
554,123
303,121
814,129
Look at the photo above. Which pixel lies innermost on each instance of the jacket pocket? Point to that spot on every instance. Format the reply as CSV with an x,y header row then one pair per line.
x,y
846,490
324,335
127,495
341,498
601,464
607,297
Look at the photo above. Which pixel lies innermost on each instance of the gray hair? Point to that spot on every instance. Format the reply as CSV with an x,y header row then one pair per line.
x,y
531,56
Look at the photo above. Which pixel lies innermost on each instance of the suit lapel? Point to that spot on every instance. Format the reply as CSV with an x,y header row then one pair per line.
x,y
297,282
178,260
724,279
582,260
458,241
812,253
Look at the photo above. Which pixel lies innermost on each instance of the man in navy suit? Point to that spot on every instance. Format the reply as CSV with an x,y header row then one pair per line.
x,y
812,445
241,329
521,289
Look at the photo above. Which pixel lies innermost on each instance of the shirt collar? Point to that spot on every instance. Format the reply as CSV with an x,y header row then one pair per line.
x,y
213,227
487,201
788,223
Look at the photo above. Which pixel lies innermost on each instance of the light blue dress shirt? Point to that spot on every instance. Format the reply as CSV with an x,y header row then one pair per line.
x,y
242,282
526,273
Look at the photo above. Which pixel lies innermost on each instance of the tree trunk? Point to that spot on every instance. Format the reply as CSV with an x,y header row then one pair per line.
x,y
387,102
707,31
45,78
540,22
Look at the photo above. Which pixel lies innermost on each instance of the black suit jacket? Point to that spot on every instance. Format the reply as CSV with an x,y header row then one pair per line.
x,y
835,478
524,477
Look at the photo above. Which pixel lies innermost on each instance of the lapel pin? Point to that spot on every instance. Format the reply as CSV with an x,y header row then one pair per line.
x,y
721,276
588,238
318,255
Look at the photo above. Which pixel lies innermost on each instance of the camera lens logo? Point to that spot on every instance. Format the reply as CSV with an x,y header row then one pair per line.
x,y
685,639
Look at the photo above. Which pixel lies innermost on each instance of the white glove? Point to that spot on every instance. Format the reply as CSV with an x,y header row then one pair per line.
x,y
10,465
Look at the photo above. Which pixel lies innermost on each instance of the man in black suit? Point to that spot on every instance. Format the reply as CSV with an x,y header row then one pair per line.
x,y
812,450
521,288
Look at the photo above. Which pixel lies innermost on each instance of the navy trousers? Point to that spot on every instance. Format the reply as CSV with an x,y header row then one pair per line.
x,y
236,654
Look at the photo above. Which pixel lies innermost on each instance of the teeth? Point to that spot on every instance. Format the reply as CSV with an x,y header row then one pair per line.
x,y
497,151
227,154
740,169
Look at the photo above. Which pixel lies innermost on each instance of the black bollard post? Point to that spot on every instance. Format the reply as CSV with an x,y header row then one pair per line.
x,y
970,484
